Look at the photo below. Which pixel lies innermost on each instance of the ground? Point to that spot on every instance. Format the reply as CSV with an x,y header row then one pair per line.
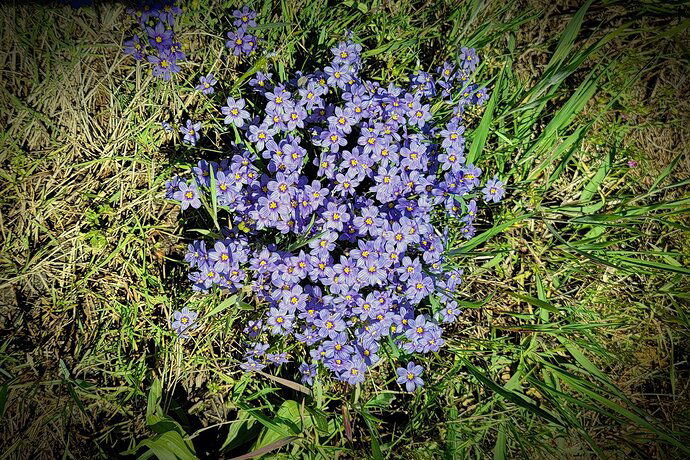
x,y
574,339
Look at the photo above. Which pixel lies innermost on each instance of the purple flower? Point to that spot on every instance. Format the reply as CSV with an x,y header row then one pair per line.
x,y
277,358
333,139
311,95
252,365
261,82
260,135
221,256
355,370
163,66
493,190
468,59
419,114
468,231
160,37
168,11
253,328
187,195
197,255
191,132
294,299
134,47
450,312
234,112
279,321
206,84
410,376
258,351
308,372
278,100
480,96
171,187
240,42
419,286
335,216
329,324
338,75
244,17
184,321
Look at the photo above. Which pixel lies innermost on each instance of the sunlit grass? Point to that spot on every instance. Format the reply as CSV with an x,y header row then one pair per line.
x,y
573,340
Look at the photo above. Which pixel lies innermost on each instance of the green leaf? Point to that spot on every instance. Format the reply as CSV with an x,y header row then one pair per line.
x,y
240,431
381,400
153,402
168,446
4,393
536,302
286,423
232,300
482,132
214,197
594,183
509,395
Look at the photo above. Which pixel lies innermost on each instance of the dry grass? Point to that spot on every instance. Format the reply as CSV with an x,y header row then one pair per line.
x,y
87,269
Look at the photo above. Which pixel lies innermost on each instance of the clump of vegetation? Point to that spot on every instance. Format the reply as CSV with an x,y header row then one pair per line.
x,y
569,337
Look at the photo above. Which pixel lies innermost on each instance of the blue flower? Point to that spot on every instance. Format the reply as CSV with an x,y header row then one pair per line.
x,y
308,372
493,190
206,84
191,132
410,376
183,322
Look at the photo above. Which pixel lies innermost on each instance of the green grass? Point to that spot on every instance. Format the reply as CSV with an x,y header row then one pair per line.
x,y
574,338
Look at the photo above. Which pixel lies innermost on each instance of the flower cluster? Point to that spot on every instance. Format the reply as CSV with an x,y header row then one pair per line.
x,y
154,38
339,203
241,40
